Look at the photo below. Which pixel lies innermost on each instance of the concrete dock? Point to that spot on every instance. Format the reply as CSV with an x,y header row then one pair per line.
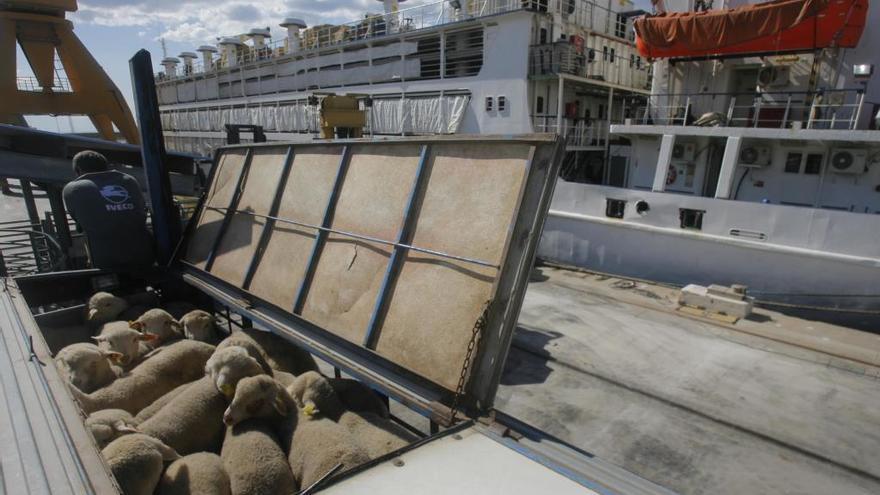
x,y
772,404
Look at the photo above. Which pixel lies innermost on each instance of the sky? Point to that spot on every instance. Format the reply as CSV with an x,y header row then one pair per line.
x,y
113,30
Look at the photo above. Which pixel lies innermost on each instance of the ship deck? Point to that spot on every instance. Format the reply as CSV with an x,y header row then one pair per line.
x,y
771,404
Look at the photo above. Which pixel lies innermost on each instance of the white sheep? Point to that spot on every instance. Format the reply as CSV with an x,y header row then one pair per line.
x,y
151,410
116,337
228,365
103,307
192,421
314,447
86,366
272,351
354,395
137,461
198,325
109,424
201,473
174,365
254,460
161,324
316,397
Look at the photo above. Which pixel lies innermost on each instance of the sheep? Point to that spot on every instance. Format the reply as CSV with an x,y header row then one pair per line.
x,y
315,395
354,395
151,410
118,338
103,307
136,462
109,424
201,473
271,351
314,447
179,363
160,323
86,366
228,365
192,421
254,461
198,325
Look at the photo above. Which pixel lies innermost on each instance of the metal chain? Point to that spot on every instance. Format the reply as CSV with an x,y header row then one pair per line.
x,y
479,326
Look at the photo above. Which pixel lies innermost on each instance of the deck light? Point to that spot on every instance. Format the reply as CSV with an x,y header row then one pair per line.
x,y
863,70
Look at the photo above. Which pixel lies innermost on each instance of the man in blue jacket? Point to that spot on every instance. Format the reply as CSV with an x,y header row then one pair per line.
x,y
109,208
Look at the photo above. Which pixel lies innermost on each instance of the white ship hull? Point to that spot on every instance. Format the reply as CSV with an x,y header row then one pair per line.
x,y
805,263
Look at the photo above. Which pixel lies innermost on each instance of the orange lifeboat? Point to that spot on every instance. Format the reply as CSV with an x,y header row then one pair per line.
x,y
778,26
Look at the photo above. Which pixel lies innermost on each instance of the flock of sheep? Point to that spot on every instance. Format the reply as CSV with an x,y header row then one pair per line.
x,y
173,413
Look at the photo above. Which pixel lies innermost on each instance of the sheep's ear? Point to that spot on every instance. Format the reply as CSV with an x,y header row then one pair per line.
x,y
99,338
175,326
136,325
123,427
92,314
101,432
280,405
148,337
112,356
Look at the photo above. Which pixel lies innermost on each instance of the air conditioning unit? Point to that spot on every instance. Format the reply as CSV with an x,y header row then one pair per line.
x,y
848,161
683,151
754,156
773,75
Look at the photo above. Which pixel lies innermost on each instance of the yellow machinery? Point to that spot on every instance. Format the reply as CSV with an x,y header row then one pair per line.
x,y
341,117
39,27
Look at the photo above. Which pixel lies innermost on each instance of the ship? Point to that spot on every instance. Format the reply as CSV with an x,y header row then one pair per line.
x,y
747,161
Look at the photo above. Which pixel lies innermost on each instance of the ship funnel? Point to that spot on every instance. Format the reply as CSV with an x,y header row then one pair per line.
x,y
391,15
207,52
259,36
229,51
293,26
188,58
170,64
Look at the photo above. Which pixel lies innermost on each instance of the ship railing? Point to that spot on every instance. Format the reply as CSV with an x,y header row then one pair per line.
x,y
32,84
823,109
608,66
579,133
372,26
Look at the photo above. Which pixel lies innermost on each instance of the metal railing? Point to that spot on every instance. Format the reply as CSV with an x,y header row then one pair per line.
x,y
27,248
825,109
578,133
31,84
627,69
582,12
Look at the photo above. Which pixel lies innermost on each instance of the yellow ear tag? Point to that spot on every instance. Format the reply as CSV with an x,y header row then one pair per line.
x,y
309,409
228,390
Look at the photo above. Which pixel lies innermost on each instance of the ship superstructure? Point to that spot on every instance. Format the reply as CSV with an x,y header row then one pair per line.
x,y
477,66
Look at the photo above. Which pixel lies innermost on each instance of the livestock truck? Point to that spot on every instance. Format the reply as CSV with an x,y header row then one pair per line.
x,y
402,263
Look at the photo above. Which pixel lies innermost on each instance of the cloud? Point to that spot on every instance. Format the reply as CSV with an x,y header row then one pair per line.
x,y
203,21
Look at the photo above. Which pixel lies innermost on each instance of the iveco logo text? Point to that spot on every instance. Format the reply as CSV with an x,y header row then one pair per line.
x,y
116,196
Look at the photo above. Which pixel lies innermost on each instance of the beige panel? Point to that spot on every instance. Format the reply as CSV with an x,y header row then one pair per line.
x,y
222,189
349,273
308,188
467,211
240,240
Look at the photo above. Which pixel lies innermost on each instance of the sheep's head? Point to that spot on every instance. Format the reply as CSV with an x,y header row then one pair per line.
x,y
227,366
109,424
198,325
120,343
159,322
259,396
83,363
314,394
141,442
104,307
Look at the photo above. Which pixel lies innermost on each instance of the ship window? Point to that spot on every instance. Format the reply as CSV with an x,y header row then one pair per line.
x,y
543,36
620,26
614,208
605,53
539,105
601,112
691,219
814,164
591,55
490,103
502,103
611,56
793,163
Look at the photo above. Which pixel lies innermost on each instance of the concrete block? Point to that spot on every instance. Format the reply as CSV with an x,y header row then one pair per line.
x,y
730,301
